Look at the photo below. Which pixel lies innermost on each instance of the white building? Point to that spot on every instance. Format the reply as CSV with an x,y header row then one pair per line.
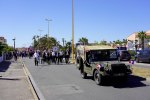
x,y
134,41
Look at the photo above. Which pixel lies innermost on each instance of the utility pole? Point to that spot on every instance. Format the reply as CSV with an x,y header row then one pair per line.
x,y
48,20
73,32
14,43
39,44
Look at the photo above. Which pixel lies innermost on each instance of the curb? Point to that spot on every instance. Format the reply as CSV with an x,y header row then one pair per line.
x,y
36,89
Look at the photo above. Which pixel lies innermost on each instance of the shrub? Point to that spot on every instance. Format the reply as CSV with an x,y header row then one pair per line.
x,y
132,52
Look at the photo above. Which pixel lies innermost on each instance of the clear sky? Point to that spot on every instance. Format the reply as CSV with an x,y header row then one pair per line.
x,y
94,19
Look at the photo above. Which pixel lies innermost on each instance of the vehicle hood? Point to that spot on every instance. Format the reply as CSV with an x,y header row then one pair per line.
x,y
108,63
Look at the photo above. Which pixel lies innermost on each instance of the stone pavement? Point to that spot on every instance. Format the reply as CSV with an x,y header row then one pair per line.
x,y
14,83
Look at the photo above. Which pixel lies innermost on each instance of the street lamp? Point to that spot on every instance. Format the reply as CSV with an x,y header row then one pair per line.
x,y
48,20
39,38
14,43
73,31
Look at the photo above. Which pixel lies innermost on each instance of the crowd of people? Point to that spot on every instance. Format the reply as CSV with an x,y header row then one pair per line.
x,y
45,56
49,57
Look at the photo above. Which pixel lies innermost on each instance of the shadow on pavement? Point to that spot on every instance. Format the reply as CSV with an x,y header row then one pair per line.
x,y
13,79
4,66
132,82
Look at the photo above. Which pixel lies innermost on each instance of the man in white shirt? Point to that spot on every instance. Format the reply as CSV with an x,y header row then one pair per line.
x,y
36,58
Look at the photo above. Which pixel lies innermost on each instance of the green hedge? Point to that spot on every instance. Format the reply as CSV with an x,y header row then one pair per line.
x,y
132,52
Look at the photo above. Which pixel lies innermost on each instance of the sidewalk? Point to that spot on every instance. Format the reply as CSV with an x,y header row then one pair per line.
x,y
14,84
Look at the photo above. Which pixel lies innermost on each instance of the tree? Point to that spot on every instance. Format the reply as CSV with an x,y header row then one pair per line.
x,y
117,42
142,35
125,41
103,42
34,41
83,40
44,42
5,48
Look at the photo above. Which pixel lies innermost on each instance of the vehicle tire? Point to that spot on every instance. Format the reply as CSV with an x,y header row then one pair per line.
x,y
98,78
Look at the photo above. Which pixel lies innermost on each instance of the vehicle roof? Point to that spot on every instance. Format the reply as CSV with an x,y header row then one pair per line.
x,y
95,47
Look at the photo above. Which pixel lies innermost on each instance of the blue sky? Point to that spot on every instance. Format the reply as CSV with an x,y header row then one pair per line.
x,y
94,19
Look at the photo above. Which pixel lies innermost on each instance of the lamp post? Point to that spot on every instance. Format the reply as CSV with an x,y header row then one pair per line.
x,y
48,20
14,43
73,31
39,38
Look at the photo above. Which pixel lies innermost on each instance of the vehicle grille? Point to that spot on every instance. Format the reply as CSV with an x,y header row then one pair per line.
x,y
118,68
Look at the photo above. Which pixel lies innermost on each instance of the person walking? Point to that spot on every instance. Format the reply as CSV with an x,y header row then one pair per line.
x,y
60,55
53,57
15,55
36,58
67,56
57,57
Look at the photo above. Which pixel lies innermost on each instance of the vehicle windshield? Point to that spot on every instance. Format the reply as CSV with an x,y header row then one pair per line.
x,y
103,55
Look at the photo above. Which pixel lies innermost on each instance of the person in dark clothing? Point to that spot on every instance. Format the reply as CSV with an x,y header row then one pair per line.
x,y
57,57
67,56
61,56
15,55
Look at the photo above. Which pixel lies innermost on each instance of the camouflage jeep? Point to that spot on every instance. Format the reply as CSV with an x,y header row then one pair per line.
x,y
100,61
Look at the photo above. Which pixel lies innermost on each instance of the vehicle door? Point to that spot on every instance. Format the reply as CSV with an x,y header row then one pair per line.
x,y
87,62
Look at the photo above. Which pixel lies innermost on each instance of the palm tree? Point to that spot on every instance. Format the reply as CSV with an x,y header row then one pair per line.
x,y
83,40
34,41
142,35
117,42
103,42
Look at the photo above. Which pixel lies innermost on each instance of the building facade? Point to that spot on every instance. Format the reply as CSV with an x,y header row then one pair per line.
x,y
134,43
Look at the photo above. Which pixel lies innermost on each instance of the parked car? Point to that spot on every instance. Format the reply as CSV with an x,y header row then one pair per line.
x,y
124,55
143,56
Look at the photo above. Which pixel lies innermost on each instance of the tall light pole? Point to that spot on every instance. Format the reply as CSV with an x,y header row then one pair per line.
x,y
73,31
14,43
39,38
48,20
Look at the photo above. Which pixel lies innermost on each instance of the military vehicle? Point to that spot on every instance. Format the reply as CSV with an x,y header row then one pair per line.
x,y
100,61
